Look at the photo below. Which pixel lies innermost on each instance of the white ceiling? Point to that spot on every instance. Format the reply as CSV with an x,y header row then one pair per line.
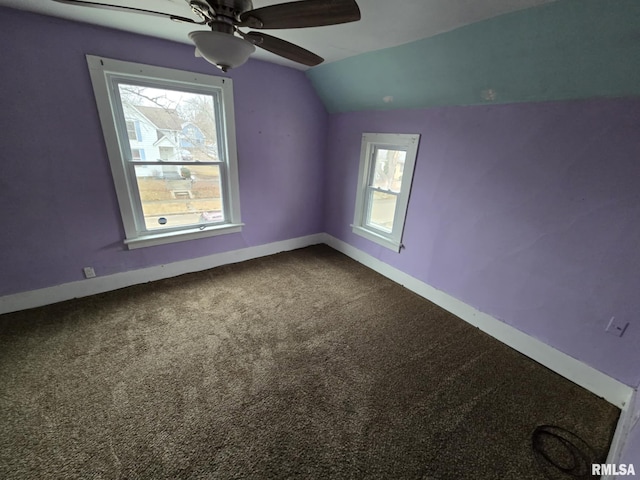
x,y
385,23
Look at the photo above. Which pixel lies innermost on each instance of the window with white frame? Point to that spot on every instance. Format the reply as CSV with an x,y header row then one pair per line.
x,y
384,184
169,188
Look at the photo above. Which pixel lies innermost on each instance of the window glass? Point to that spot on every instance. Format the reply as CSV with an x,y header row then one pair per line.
x,y
388,169
192,198
178,129
382,210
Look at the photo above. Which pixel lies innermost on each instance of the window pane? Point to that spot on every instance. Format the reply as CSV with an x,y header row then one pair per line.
x,y
382,208
170,125
388,169
174,195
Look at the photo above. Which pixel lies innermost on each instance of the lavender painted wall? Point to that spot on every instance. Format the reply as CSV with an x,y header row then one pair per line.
x,y
57,200
631,453
528,212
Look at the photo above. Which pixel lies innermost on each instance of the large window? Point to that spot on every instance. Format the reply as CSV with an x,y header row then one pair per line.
x,y
169,187
384,184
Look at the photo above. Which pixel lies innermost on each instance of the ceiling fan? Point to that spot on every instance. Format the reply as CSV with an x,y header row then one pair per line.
x,y
226,46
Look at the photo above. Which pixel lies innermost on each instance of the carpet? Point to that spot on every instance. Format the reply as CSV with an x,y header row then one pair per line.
x,y
303,364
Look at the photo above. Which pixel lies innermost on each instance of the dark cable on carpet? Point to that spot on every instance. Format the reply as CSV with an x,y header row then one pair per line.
x,y
561,454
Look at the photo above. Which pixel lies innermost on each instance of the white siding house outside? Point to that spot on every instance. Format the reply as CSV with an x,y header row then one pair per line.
x,y
155,134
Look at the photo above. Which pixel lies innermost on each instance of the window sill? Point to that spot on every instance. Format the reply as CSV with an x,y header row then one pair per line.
x,y
181,236
377,238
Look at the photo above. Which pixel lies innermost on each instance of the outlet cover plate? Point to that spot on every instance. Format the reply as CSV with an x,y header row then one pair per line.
x,y
617,327
89,272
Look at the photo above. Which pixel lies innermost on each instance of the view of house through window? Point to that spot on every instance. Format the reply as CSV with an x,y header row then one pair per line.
x,y
173,141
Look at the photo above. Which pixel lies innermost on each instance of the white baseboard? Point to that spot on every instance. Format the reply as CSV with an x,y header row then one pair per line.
x,y
92,286
615,392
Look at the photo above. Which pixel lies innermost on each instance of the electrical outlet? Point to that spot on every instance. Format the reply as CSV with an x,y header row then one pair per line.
x,y
89,272
616,327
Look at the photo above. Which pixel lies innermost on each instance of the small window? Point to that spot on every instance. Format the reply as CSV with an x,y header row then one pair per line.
x,y
137,155
166,192
132,130
384,184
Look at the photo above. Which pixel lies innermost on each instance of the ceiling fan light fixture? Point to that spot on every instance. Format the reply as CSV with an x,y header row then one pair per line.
x,y
222,49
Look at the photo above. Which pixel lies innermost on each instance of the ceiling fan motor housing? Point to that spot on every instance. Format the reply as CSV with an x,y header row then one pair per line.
x,y
230,8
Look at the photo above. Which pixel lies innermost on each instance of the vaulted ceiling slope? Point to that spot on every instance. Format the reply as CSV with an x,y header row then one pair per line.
x,y
570,49
384,23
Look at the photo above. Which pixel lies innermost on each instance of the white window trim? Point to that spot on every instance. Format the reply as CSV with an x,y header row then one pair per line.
x,y
101,69
371,141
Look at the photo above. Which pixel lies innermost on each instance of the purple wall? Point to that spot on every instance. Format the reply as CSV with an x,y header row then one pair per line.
x,y
57,199
632,451
528,212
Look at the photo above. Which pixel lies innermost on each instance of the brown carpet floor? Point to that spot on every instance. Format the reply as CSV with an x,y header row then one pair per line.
x,y
299,365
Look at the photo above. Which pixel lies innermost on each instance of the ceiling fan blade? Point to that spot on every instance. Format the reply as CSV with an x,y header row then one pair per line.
x,y
122,8
283,48
302,13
